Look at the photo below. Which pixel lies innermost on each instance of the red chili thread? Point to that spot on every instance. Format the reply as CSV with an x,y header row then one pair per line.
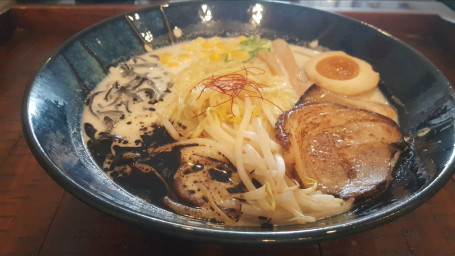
x,y
233,84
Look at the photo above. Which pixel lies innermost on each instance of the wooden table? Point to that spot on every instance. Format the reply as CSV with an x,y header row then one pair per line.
x,y
39,217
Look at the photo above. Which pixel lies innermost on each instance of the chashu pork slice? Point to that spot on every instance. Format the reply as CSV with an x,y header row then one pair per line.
x,y
317,93
348,151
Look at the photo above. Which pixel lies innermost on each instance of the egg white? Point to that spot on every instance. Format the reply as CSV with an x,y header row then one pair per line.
x,y
366,79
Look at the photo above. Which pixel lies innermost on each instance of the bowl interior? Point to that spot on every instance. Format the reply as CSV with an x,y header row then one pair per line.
x,y
423,96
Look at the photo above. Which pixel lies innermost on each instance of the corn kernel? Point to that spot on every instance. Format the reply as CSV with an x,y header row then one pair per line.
x,y
202,54
215,40
236,119
240,55
207,44
242,38
173,64
215,57
183,57
224,46
165,57
199,40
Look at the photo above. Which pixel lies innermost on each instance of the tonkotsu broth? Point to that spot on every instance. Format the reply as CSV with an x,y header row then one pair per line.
x,y
123,112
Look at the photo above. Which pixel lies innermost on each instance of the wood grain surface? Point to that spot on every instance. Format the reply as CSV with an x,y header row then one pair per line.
x,y
37,217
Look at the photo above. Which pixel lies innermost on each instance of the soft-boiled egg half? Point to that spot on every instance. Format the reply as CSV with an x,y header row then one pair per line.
x,y
339,72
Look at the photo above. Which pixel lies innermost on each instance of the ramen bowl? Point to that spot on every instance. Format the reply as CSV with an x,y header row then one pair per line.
x,y
54,103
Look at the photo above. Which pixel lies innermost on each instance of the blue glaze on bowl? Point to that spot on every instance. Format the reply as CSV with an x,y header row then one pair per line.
x,y
54,100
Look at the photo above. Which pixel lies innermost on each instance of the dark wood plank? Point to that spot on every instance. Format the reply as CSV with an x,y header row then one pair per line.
x,y
409,26
66,17
78,229
29,199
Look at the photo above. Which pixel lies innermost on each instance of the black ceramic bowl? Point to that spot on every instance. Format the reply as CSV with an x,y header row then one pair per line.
x,y
54,101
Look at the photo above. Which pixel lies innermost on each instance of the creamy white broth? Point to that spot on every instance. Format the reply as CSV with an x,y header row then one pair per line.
x,y
130,115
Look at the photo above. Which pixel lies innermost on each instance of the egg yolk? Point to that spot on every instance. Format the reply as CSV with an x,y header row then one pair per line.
x,y
338,67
